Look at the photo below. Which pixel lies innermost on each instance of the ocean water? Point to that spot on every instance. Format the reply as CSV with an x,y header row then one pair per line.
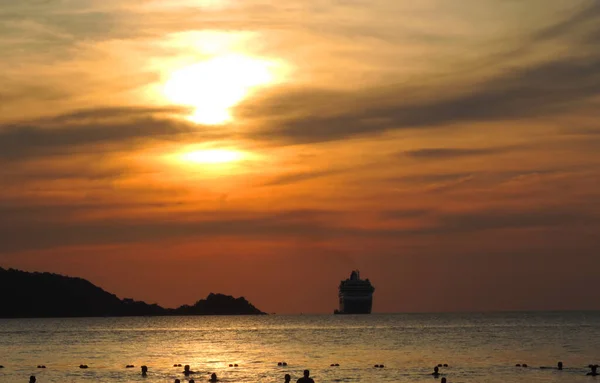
x,y
477,347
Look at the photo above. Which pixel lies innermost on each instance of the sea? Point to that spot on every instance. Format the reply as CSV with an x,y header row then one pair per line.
x,y
477,347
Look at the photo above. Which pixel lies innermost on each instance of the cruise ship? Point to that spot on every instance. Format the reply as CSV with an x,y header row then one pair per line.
x,y
356,295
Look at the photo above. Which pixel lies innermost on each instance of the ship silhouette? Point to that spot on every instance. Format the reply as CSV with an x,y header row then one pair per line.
x,y
356,295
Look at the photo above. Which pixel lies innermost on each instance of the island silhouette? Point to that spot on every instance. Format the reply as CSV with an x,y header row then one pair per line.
x,y
48,295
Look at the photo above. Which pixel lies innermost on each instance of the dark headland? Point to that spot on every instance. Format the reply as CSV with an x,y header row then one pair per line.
x,y
47,295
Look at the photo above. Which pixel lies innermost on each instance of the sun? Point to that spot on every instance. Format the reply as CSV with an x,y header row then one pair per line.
x,y
214,86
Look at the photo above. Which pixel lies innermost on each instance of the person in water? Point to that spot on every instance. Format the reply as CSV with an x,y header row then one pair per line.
x,y
213,378
187,371
594,371
32,379
287,378
144,370
436,371
306,378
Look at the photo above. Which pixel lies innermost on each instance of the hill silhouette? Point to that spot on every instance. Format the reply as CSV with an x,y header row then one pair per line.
x,y
47,295
218,304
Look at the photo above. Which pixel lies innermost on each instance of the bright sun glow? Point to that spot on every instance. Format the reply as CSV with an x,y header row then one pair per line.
x,y
214,86
212,156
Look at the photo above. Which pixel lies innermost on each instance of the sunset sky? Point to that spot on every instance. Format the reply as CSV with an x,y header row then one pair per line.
x,y
450,150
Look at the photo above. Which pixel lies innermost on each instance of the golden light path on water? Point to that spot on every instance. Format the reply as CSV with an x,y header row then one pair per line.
x,y
477,347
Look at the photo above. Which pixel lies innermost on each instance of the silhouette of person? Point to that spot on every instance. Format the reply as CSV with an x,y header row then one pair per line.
x,y
177,381
32,379
436,371
443,380
187,371
144,370
559,366
213,378
287,378
305,378
594,371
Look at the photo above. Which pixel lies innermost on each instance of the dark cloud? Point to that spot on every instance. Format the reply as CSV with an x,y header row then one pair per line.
x,y
398,214
433,182
581,131
491,177
537,91
447,153
95,130
43,172
431,178
552,179
31,213
552,216
35,234
472,222
110,113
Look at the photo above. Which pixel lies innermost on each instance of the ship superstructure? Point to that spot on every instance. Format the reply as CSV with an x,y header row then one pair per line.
x,y
356,295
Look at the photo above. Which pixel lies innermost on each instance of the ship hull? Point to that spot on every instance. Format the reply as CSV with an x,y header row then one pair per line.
x,y
356,295
355,305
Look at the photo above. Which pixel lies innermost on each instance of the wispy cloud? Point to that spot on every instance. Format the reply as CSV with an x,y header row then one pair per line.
x,y
586,16
558,216
36,234
520,91
446,153
292,178
398,214
431,178
316,225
